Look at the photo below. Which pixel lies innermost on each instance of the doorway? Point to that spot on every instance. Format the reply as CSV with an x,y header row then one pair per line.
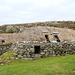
x,y
37,49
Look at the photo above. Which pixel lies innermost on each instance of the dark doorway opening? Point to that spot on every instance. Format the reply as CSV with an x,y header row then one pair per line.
x,y
57,38
37,49
3,41
47,39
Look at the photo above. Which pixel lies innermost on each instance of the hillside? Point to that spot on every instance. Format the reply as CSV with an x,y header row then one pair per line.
x,y
15,28
60,65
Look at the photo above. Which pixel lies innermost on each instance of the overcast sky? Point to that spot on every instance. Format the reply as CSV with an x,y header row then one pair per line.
x,y
26,11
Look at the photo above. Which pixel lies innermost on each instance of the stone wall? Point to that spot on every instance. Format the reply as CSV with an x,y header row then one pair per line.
x,y
36,51
4,48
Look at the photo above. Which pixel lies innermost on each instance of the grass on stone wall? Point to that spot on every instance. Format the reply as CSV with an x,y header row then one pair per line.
x,y
59,65
9,31
7,57
6,44
7,54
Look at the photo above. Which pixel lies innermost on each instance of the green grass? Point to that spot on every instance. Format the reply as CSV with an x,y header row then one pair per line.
x,y
60,65
7,54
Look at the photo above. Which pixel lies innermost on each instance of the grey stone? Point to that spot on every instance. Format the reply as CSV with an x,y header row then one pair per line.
x,y
0,59
30,59
15,54
37,56
19,56
1,64
74,71
7,58
12,58
16,58
42,53
24,56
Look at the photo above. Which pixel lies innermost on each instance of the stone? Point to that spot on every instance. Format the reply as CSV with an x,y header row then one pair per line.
x,y
24,56
32,49
28,56
16,58
19,56
15,54
30,59
47,54
42,53
7,58
45,50
12,58
0,59
74,71
1,64
37,56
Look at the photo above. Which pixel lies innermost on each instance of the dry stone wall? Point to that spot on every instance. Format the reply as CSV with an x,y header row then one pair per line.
x,y
36,51
4,48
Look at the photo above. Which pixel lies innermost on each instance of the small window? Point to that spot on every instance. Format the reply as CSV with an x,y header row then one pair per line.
x,y
57,38
47,38
3,41
37,49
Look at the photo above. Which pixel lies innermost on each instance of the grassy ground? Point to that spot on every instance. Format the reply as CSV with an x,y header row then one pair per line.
x,y
60,65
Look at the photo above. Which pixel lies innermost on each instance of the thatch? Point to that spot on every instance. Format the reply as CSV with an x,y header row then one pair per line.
x,y
38,34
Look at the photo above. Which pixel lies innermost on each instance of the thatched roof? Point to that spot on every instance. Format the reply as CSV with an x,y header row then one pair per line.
x,y
38,34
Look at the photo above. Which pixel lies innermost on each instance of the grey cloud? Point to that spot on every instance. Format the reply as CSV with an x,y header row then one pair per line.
x,y
21,11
